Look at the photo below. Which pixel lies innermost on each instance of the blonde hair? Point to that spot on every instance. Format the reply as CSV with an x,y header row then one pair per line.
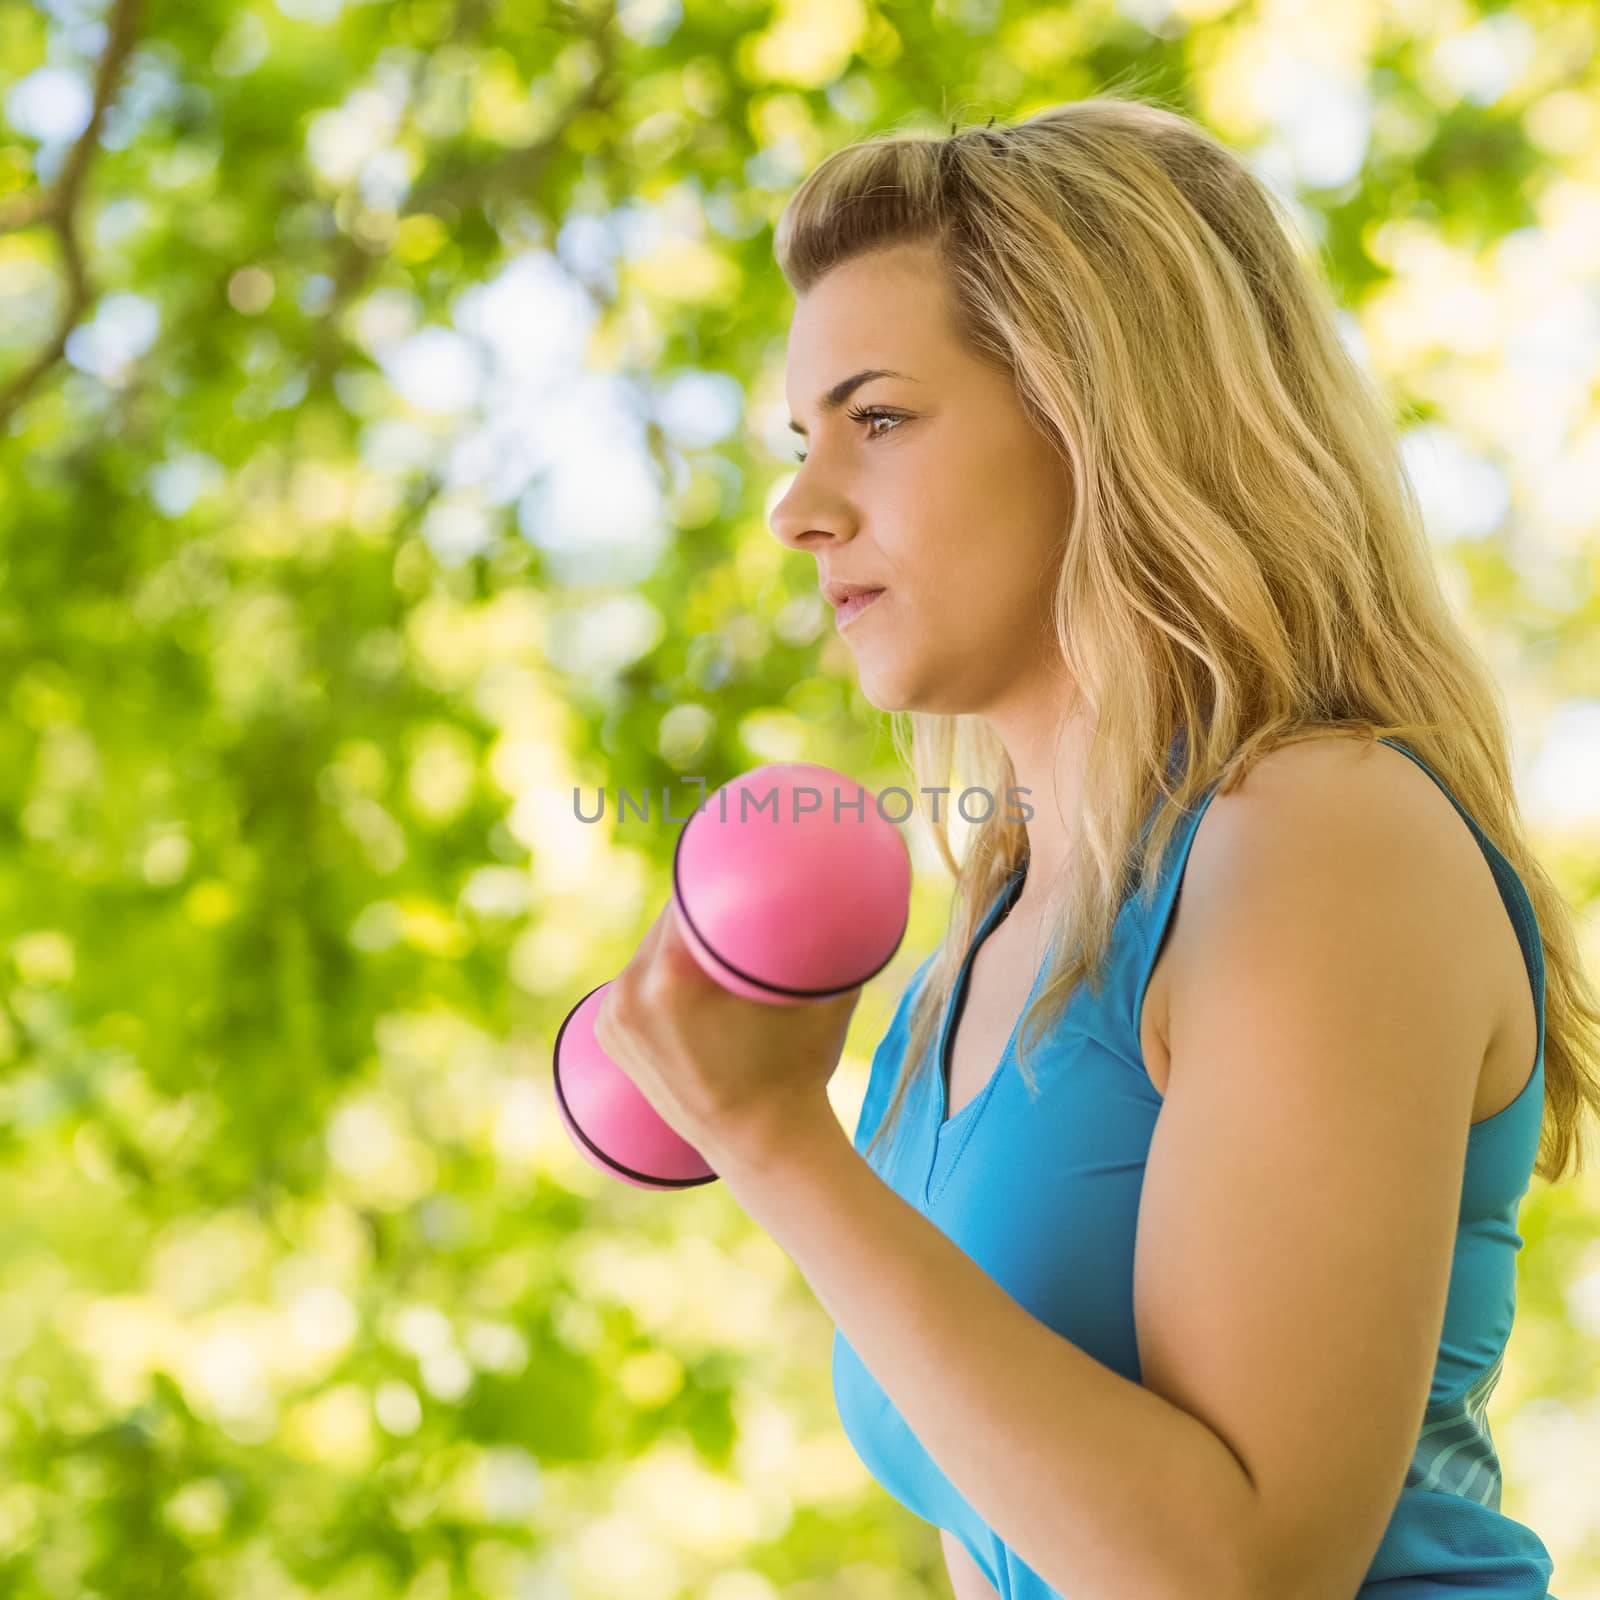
x,y
1245,564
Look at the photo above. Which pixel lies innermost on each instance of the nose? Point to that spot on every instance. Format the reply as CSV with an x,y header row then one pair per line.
x,y
802,522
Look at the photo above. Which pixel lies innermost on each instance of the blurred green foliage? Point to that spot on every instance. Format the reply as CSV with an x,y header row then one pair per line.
x,y
391,397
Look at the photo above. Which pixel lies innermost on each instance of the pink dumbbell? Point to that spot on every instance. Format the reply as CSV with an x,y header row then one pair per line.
x,y
788,886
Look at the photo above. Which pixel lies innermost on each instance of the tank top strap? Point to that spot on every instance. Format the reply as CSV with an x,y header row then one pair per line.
x,y
1513,892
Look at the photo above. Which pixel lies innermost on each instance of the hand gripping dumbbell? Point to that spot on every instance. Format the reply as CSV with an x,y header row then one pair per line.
x,y
788,886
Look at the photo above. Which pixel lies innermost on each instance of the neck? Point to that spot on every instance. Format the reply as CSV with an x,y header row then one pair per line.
x,y
1049,755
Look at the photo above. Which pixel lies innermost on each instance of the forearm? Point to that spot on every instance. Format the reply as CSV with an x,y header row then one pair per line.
x,y
1101,1486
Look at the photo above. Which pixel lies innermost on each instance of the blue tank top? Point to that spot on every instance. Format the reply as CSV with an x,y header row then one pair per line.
x,y
1043,1193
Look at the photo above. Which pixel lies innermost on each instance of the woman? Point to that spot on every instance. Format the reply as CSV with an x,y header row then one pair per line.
x,y
1174,1253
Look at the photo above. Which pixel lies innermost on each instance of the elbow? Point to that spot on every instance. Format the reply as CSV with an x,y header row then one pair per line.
x,y
1246,1575
1225,1568
1274,1573
1250,1560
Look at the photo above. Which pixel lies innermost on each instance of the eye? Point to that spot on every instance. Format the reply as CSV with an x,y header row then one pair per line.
x,y
863,414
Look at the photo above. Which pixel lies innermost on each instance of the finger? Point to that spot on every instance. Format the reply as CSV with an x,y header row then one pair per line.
x,y
667,967
645,954
677,956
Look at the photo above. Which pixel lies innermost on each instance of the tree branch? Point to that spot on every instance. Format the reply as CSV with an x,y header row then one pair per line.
x,y
59,209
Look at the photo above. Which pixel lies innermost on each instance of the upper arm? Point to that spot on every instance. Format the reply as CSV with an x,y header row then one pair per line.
x,y
1329,1014
966,1576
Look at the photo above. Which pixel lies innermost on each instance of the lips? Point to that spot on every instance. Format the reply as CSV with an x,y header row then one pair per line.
x,y
838,592
847,610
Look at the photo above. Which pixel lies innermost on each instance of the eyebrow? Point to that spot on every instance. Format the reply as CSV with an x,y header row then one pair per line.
x,y
845,387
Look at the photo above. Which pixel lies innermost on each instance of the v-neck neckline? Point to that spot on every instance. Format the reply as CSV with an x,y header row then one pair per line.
x,y
1003,903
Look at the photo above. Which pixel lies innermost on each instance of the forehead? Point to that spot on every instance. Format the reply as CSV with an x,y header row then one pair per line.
x,y
886,308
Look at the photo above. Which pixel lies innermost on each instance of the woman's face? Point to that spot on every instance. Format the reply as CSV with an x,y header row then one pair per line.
x,y
951,502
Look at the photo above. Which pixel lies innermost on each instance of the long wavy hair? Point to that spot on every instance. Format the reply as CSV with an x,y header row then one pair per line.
x,y
1245,564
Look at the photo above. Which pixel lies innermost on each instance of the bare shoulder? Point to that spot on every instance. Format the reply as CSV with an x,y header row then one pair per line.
x,y
1302,769
1331,800
1330,821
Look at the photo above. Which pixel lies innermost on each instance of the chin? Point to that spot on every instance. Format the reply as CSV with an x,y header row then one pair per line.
x,y
890,703
888,695
885,696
